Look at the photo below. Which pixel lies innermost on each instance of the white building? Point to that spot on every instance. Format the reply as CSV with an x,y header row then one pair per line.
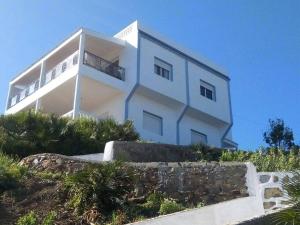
x,y
172,95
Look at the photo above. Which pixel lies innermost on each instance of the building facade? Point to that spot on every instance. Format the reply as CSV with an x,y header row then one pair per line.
x,y
172,95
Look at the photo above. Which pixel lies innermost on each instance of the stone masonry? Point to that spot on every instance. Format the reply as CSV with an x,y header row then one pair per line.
x,y
187,181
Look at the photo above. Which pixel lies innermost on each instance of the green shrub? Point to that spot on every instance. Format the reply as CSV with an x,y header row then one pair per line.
x,y
27,133
31,218
170,206
10,172
266,160
103,185
28,219
152,204
206,153
118,218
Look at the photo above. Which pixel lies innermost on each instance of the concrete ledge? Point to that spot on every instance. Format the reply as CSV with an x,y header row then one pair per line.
x,y
149,152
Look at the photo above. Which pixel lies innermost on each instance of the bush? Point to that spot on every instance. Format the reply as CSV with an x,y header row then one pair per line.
x,y
10,173
206,153
28,219
170,206
32,219
152,205
266,160
28,133
103,185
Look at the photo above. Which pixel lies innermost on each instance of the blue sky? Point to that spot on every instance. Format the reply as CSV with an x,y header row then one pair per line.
x,y
257,41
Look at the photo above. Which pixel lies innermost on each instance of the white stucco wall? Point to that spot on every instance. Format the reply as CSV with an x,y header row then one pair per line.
x,y
97,157
112,108
176,88
219,108
214,133
169,115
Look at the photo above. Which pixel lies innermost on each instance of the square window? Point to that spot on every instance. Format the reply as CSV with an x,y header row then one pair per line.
x,y
198,137
162,68
207,90
152,123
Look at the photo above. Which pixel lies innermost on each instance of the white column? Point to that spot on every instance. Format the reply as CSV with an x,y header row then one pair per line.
x,y
77,93
8,96
77,96
41,80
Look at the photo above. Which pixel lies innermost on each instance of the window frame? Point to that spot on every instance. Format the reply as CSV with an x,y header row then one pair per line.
x,y
199,133
162,69
153,116
205,85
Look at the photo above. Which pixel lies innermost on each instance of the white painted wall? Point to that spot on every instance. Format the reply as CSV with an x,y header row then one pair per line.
x,y
139,103
214,133
98,157
176,88
275,181
219,214
112,108
219,108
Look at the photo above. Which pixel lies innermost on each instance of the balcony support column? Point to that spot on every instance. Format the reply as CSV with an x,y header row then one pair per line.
x,y
77,93
41,81
8,97
77,97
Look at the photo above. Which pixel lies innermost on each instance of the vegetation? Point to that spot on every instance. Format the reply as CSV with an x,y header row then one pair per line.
x,y
32,219
103,185
28,133
170,206
267,160
290,216
278,135
10,173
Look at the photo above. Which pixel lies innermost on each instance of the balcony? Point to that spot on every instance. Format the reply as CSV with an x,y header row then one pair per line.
x,y
105,66
53,73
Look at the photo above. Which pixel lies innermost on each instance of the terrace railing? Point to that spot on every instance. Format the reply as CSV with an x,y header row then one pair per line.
x,y
57,70
104,65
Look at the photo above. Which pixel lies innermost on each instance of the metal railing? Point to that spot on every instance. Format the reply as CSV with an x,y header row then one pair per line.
x,y
29,90
60,68
57,70
104,65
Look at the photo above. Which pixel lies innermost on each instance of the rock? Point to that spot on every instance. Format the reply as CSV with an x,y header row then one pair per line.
x,y
275,179
273,193
264,178
269,205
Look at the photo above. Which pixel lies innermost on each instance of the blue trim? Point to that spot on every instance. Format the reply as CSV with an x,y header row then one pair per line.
x,y
178,122
137,78
231,116
187,101
182,54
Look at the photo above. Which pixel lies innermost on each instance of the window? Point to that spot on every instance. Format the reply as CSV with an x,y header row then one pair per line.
x,y
197,137
152,123
163,68
207,90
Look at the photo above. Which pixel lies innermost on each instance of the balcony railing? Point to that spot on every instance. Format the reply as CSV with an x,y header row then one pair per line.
x,y
60,68
103,65
29,90
57,70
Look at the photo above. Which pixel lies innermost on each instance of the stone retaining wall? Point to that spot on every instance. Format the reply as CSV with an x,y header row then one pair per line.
x,y
271,190
187,182
192,182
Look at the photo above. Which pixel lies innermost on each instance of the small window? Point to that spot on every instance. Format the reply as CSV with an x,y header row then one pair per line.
x,y
64,67
152,123
198,138
207,90
162,68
